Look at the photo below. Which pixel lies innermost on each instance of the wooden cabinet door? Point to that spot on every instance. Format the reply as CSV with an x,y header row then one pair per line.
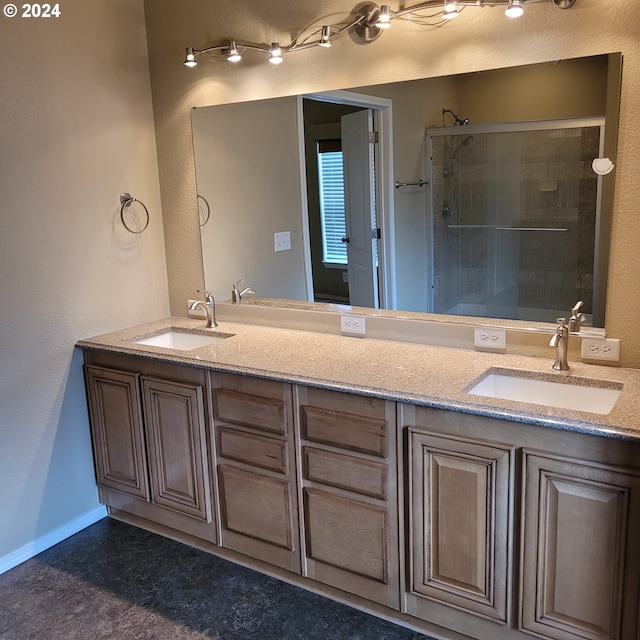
x,y
177,446
256,469
349,493
460,522
116,424
580,549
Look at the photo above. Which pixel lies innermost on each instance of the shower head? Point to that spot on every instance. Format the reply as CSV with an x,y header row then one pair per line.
x,y
464,143
457,118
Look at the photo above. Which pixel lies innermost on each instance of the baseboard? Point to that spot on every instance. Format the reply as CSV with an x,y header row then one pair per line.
x,y
52,538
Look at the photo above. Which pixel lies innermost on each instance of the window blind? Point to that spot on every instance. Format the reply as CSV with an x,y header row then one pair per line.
x,y
332,213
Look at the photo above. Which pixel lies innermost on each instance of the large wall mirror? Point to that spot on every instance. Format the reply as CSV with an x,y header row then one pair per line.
x,y
471,195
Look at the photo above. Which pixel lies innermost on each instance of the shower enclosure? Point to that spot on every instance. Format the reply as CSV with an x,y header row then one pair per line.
x,y
515,210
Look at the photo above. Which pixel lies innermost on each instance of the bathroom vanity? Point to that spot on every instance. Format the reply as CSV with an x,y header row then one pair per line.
x,y
364,470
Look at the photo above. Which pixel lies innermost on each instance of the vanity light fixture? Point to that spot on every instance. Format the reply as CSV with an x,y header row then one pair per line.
x,y
275,53
515,9
190,60
325,38
366,23
450,10
384,17
233,55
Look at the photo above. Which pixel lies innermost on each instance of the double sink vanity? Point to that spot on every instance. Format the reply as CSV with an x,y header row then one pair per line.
x,y
460,493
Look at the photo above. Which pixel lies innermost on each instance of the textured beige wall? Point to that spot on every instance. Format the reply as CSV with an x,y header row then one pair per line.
x,y
76,129
480,39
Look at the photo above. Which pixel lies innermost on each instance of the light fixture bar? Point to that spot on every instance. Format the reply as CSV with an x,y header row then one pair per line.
x,y
367,22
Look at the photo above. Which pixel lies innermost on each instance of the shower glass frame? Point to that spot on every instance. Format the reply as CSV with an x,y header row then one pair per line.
x,y
602,222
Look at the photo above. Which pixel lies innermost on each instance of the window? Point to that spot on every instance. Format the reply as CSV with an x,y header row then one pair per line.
x,y
332,214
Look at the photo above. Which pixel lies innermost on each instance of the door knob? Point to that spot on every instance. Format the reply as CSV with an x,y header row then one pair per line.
x,y
347,240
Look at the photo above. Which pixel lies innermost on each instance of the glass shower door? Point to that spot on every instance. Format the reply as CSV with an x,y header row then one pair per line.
x,y
514,219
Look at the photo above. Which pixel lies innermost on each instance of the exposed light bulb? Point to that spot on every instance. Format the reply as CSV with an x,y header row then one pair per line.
x,y
515,9
450,10
233,55
384,17
190,59
275,53
325,38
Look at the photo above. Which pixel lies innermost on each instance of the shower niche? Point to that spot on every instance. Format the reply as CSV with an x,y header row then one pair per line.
x,y
515,213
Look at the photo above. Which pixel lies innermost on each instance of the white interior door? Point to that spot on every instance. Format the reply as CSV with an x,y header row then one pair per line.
x,y
359,185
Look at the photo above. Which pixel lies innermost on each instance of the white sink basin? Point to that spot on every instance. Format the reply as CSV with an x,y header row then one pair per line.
x,y
182,340
579,394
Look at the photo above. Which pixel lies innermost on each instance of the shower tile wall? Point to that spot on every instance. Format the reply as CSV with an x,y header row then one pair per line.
x,y
530,275
459,253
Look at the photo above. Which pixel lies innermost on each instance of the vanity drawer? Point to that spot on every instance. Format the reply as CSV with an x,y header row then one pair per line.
x,y
358,475
251,402
344,430
265,414
268,453
346,421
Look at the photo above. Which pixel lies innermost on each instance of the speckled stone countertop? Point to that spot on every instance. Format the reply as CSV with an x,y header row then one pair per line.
x,y
419,374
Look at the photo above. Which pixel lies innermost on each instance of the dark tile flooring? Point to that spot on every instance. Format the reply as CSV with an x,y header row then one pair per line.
x,y
113,580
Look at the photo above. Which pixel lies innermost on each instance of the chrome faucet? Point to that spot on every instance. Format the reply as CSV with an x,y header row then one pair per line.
x,y
576,317
209,306
560,340
236,294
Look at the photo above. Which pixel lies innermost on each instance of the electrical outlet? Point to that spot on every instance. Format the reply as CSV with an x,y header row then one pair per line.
x,y
601,349
489,338
282,240
352,325
196,313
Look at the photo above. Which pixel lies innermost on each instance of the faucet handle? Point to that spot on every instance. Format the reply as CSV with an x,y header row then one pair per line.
x,y
562,328
207,294
576,317
236,296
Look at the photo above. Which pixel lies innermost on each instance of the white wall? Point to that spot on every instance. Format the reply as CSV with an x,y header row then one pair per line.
x,y
479,39
76,129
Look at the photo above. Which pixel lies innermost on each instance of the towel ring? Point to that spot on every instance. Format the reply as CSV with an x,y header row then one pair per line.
x,y
208,210
126,200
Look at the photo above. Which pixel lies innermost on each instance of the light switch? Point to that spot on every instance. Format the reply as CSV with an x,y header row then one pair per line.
x,y
282,240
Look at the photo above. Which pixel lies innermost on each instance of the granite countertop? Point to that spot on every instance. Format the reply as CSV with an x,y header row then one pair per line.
x,y
419,374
